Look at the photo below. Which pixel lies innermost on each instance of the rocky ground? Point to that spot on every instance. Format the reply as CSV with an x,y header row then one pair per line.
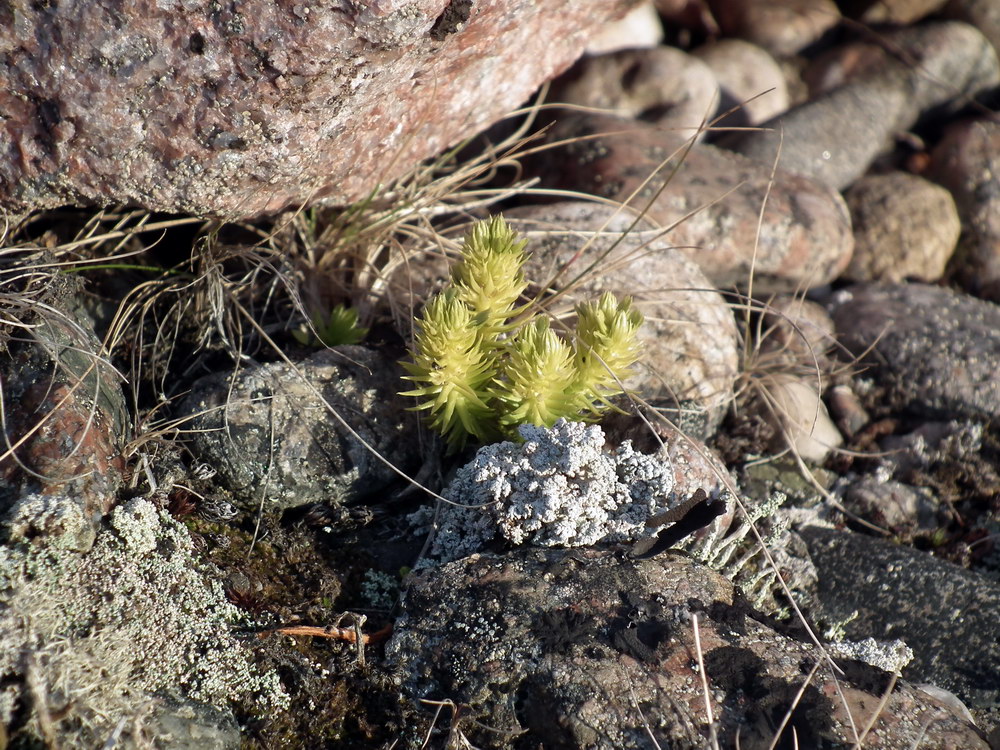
x,y
216,529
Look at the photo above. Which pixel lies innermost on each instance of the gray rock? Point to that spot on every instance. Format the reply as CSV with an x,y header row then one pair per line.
x,y
661,84
835,136
782,27
241,110
934,349
983,14
712,204
904,227
748,76
269,435
894,506
558,648
948,616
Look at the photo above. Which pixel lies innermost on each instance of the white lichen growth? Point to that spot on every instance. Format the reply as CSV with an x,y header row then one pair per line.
x,y
379,590
889,656
562,488
134,620
559,488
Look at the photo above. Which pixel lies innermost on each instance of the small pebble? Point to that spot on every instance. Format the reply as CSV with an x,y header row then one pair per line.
x,y
904,227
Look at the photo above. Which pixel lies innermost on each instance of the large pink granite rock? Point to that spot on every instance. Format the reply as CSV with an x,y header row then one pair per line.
x,y
242,109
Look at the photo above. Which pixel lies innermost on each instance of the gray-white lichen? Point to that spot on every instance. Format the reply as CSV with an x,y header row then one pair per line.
x,y
107,634
560,487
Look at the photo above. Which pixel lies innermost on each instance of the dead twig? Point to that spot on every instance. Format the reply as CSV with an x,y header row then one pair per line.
x,y
330,631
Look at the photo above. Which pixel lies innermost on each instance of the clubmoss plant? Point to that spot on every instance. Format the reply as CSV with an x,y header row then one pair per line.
x,y
482,366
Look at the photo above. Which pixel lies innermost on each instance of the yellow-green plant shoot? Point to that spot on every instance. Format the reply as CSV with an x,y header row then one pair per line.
x,y
340,328
482,367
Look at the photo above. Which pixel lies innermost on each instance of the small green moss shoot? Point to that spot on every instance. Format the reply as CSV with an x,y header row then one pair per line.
x,y
339,328
482,366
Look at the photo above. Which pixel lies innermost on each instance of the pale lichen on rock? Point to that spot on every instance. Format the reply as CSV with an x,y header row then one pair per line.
x,y
134,624
559,488
562,487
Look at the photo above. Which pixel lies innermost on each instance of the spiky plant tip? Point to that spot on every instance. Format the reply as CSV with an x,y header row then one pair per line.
x,y
482,372
452,370
489,278
537,379
607,344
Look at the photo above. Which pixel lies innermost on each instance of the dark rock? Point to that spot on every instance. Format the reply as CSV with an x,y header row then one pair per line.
x,y
904,227
948,616
906,456
967,162
712,203
835,136
934,349
65,420
242,110
539,644
899,508
274,441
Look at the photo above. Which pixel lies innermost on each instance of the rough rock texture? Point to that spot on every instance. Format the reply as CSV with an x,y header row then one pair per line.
x,y
137,630
967,162
904,227
948,616
270,437
581,648
65,412
244,109
935,350
805,237
835,136
689,337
